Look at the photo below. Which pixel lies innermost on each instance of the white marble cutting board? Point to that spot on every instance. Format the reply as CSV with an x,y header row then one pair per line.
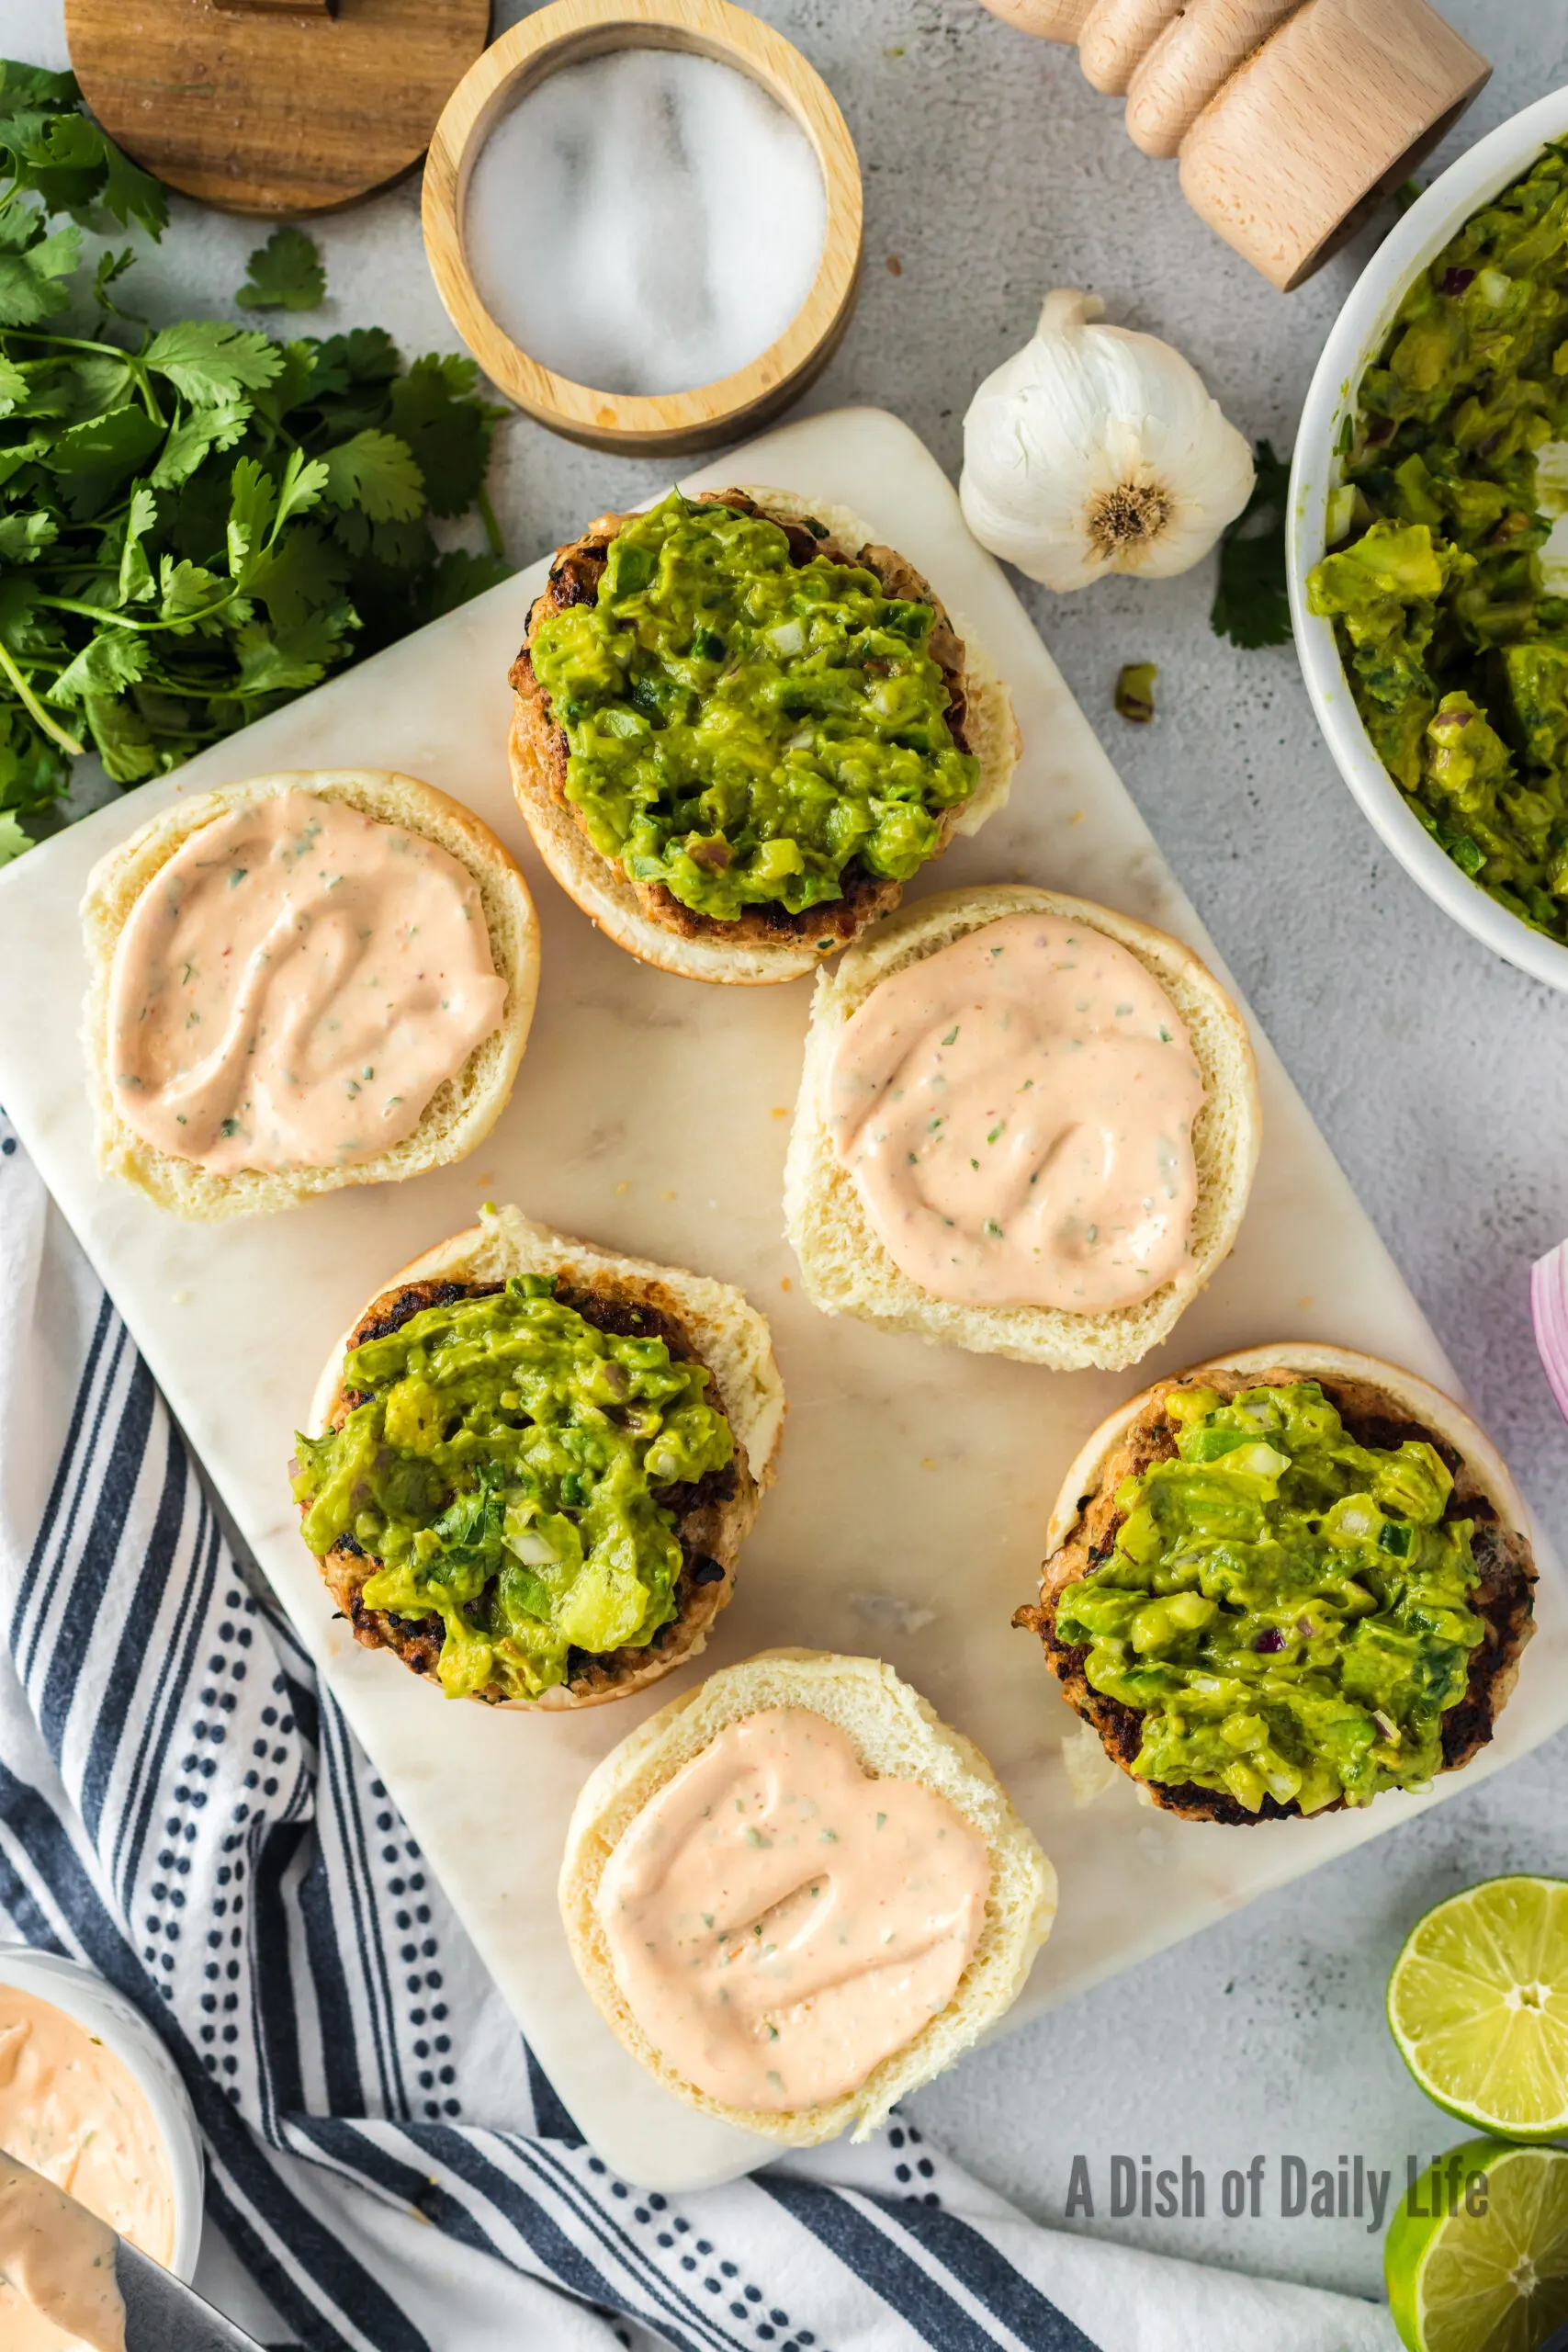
x,y
650,1113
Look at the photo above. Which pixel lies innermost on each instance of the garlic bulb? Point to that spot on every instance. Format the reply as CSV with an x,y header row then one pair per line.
x,y
1097,449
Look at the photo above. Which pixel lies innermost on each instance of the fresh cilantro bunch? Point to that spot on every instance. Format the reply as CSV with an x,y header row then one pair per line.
x,y
197,522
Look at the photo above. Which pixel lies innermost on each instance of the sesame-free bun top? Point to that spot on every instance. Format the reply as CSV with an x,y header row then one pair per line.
x,y
463,1108
705,1321
765,943
847,1268
895,1732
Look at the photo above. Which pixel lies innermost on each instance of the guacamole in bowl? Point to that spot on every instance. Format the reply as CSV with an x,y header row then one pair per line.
x,y
1430,614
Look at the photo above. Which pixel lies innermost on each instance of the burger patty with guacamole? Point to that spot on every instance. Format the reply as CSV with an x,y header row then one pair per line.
x,y
765,733
523,1487
1282,1596
1455,640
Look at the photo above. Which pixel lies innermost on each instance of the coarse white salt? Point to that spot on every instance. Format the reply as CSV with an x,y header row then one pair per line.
x,y
647,222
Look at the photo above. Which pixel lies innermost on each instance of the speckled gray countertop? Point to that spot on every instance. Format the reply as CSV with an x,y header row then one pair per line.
x,y
1438,1074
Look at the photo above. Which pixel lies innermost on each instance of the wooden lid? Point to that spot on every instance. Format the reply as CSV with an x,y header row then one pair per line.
x,y
273,106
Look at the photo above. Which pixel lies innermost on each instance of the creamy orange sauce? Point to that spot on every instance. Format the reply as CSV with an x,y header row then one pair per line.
x,y
72,2111
1017,1112
294,984
780,1921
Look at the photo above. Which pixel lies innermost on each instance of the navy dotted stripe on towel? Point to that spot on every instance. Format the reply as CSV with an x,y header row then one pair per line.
x,y
907,2172
227,1668
164,1923
748,2301
419,1950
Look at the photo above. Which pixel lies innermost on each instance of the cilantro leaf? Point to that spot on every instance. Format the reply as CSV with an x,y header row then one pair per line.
x,y
301,573
207,361
31,278
57,153
13,840
73,166
252,501
96,381
136,583
115,658
99,455
186,589
111,268
34,85
24,535
376,472
122,437
15,390
1252,606
131,194
286,273
363,356
433,410
287,661
122,738
304,479
194,437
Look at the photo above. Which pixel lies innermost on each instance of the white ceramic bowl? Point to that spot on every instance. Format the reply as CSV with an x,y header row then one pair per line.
x,y
1356,339
103,2011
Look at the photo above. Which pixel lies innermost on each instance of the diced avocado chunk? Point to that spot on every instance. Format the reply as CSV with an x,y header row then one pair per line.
x,y
740,727
1454,646
508,1468
1288,1611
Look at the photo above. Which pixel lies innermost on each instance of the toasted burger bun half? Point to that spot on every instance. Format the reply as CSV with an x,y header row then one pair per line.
x,y
896,1733
765,943
460,1114
1381,1405
845,1266
699,1320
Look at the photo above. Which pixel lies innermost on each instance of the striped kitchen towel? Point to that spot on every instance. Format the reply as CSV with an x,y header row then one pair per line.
x,y
182,1806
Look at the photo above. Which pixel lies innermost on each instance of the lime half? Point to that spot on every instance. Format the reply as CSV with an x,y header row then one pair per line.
x,y
1478,2003
1490,2281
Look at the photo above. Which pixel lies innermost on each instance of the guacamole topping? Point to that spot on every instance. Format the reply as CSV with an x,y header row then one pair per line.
x,y
507,1468
1288,1611
1451,476
739,726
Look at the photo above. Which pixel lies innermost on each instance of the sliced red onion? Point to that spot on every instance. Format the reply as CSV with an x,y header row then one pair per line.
x,y
1548,1307
1385,1723
1270,1639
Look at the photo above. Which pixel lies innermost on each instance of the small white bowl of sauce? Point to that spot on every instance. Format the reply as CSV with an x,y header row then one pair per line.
x,y
90,2097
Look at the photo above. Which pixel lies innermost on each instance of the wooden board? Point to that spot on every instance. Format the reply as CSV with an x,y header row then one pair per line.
x,y
651,1113
273,108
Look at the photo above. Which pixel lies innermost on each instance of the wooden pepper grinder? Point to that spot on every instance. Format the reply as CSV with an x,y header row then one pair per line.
x,y
1292,117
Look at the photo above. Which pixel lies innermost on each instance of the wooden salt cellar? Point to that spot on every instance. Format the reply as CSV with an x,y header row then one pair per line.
x,y
568,32
1292,117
